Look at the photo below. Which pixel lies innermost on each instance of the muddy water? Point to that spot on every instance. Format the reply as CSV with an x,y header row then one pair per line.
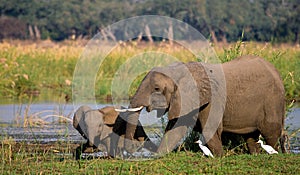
x,y
47,127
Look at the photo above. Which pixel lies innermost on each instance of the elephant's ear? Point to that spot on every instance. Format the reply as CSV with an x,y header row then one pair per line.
x,y
203,83
79,116
94,122
192,88
109,115
78,120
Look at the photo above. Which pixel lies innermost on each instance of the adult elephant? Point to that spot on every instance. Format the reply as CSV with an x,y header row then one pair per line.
x,y
244,96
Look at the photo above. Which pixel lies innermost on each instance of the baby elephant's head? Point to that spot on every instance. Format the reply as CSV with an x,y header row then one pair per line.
x,y
94,125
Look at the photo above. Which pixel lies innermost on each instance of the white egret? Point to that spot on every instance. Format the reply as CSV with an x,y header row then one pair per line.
x,y
268,148
205,150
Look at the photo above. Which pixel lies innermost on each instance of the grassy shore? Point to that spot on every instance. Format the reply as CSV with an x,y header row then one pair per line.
x,y
57,159
35,68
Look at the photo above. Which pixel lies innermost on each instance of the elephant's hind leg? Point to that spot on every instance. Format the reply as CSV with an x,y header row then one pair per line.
x,y
272,124
272,135
251,140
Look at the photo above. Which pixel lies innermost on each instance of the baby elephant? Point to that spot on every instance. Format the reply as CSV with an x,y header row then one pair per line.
x,y
97,127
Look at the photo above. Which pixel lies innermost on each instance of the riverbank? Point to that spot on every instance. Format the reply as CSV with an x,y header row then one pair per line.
x,y
58,159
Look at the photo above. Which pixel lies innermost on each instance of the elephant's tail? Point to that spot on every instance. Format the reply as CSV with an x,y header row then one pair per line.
x,y
284,138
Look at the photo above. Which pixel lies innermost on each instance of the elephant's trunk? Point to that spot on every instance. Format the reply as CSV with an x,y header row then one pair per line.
x,y
132,122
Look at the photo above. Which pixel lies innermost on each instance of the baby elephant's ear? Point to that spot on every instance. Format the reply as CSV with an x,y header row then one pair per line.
x,y
78,120
109,115
79,115
94,122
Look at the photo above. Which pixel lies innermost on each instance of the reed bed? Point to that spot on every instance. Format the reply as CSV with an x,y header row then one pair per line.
x,y
29,69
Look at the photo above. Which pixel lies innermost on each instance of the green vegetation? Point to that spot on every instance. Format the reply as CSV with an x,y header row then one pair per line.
x,y
32,69
19,158
272,21
27,70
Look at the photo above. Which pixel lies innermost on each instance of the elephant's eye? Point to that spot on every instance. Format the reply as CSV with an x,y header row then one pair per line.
x,y
156,89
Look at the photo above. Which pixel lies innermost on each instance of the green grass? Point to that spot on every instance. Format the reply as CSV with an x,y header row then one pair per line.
x,y
25,160
31,70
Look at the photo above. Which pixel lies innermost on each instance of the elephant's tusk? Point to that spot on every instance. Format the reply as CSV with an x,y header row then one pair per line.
x,y
121,110
130,109
135,109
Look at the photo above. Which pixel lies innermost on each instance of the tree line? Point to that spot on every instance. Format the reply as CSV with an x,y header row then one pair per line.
x,y
221,21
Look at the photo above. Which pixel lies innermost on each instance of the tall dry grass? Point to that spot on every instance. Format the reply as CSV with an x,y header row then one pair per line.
x,y
31,68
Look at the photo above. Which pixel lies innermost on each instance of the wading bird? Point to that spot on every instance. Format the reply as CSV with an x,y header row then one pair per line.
x,y
268,148
205,150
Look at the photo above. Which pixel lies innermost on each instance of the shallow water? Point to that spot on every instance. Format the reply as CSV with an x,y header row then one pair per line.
x,y
293,119
43,134
55,129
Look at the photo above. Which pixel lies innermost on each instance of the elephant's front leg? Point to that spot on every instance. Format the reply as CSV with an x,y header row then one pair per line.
x,y
130,144
81,149
171,139
115,136
215,145
113,144
176,130
212,128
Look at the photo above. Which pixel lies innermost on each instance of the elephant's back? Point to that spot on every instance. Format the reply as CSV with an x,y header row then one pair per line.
x,y
253,87
252,71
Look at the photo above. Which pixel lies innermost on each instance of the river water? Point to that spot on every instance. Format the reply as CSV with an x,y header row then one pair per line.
x,y
52,122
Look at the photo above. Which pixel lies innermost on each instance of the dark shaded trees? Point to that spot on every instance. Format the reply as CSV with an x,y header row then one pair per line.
x,y
222,21
11,27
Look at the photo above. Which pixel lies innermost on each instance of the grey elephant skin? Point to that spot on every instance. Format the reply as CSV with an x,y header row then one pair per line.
x,y
97,127
244,96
